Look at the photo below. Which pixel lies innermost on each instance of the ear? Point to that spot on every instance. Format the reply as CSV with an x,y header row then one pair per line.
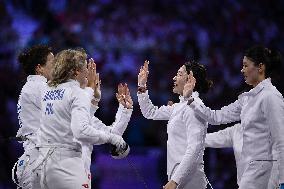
x,y
261,67
76,72
38,69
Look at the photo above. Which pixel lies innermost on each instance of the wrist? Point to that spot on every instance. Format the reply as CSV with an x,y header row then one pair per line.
x,y
190,100
173,182
141,89
142,85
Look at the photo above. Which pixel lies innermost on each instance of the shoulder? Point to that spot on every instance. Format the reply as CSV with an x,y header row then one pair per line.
x,y
271,92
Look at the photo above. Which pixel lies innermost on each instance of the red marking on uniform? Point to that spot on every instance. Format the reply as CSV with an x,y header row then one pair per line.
x,y
85,185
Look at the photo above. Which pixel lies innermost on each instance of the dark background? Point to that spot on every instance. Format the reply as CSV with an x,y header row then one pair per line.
x,y
120,35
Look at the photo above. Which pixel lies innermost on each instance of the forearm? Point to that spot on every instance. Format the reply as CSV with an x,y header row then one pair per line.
x,y
225,115
150,111
122,119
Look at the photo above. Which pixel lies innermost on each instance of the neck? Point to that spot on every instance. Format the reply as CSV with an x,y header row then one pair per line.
x,y
258,81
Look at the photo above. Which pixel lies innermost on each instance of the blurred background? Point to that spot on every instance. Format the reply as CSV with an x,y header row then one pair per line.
x,y
120,35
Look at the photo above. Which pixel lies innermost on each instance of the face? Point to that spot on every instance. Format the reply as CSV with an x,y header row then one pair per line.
x,y
82,74
251,72
180,80
46,69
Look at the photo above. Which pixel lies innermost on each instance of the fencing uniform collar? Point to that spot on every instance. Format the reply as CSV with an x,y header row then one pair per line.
x,y
254,91
195,94
73,82
36,78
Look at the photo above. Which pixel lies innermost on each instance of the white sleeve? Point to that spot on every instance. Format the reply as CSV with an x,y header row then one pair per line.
x,y
90,92
118,127
220,139
150,111
227,114
196,128
80,121
122,118
273,108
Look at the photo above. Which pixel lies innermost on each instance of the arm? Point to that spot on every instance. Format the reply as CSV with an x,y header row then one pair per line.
x,y
118,127
195,146
80,123
122,118
227,114
150,111
220,139
273,108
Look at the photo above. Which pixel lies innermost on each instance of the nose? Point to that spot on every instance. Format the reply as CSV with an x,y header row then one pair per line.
x,y
175,78
242,70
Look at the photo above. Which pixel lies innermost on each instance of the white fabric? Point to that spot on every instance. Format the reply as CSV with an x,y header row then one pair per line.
x,y
58,126
118,127
261,111
65,124
63,169
226,138
29,112
29,108
233,137
26,177
186,135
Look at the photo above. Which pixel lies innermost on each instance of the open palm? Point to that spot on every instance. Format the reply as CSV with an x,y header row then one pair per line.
x,y
189,85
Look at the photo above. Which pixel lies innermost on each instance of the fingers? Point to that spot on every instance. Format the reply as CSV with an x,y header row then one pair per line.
x,y
146,65
120,89
97,80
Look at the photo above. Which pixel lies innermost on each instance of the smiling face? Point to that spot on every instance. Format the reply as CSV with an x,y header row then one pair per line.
x,y
180,80
253,74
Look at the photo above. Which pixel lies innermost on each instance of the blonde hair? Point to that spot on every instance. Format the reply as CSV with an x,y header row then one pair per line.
x,y
66,63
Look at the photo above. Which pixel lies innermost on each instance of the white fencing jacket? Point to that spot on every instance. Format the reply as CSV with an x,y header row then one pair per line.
x,y
29,109
261,111
226,138
58,127
186,135
118,127
233,137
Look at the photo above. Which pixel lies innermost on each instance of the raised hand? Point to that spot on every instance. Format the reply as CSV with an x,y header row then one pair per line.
x,y
97,88
92,72
123,96
189,85
143,75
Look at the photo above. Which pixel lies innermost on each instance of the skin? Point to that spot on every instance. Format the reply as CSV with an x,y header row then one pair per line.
x,y
46,70
93,81
180,80
253,74
81,74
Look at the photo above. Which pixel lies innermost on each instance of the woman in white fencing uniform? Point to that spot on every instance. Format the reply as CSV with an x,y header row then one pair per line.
x,y
261,116
37,63
186,131
65,120
232,137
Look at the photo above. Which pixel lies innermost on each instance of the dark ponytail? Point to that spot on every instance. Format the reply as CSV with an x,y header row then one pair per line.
x,y
199,71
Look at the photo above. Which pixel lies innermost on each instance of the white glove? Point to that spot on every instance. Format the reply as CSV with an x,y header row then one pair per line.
x,y
119,148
